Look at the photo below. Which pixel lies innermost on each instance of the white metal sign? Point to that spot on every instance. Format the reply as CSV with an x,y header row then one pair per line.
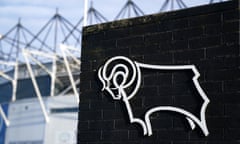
x,y
118,68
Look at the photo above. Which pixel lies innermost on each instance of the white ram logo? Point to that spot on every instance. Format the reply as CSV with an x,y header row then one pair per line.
x,y
117,79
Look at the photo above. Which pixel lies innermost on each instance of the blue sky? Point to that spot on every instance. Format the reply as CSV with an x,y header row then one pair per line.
x,y
35,13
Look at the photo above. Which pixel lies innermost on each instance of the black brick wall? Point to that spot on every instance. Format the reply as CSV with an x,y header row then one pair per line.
x,y
206,36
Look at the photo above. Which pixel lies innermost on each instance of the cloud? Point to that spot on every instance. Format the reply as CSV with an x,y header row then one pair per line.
x,y
51,3
33,17
32,11
25,11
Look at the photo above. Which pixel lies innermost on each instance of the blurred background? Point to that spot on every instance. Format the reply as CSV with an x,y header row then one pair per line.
x,y
34,14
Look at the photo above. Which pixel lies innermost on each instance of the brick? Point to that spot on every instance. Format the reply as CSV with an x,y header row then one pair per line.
x,y
215,134
165,26
205,19
153,139
85,105
95,65
159,58
165,47
216,122
173,24
156,101
180,77
173,134
116,33
189,142
121,124
217,98
190,100
189,33
232,98
95,54
101,105
142,50
218,75
215,110
189,55
161,123
90,115
131,142
138,58
84,86
232,134
116,135
145,91
97,86
217,63
157,141
231,15
206,42
134,135
130,41
91,94
158,37
164,79
180,123
233,122
137,102
179,23
213,29
126,125
109,44
144,29
113,114
223,142
231,38
101,125
211,41
184,89
222,51
212,87
232,110
86,66
230,27
87,76
94,37
165,91
120,52
89,136
83,125
232,86
180,45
